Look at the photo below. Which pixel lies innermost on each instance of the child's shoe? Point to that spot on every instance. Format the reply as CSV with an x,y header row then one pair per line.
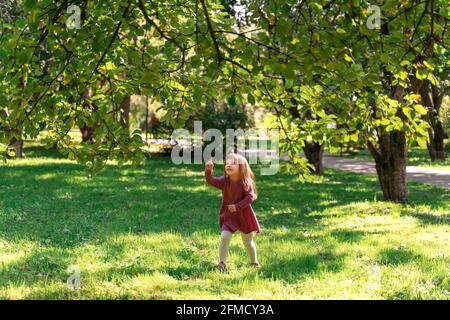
x,y
221,266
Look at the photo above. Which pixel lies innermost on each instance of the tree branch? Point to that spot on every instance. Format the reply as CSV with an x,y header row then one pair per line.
x,y
211,32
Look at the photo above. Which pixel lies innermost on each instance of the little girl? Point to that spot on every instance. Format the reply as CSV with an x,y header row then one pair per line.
x,y
236,213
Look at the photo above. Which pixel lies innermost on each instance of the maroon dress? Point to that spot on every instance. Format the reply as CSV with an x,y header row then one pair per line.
x,y
244,219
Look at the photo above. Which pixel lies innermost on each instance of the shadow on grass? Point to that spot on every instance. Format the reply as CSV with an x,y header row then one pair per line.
x,y
428,219
56,203
196,270
160,196
40,200
292,268
394,256
36,151
348,235
37,267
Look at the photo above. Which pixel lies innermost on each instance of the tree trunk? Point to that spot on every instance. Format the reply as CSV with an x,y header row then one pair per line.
x,y
390,163
431,146
433,99
314,153
18,147
125,113
436,146
87,134
146,119
17,144
392,156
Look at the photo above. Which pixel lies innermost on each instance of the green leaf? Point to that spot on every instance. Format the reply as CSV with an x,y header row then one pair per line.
x,y
405,63
21,23
420,109
428,65
421,74
251,99
317,6
389,4
44,3
30,4
445,12
289,83
432,79
148,77
198,94
211,70
422,142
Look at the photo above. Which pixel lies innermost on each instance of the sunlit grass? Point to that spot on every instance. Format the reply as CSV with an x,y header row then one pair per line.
x,y
151,232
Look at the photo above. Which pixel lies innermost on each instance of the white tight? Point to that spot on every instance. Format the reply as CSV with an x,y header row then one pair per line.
x,y
247,240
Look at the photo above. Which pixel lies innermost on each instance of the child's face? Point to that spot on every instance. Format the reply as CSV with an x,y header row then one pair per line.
x,y
232,167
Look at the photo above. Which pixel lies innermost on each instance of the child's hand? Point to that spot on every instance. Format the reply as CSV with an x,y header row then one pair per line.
x,y
209,165
232,208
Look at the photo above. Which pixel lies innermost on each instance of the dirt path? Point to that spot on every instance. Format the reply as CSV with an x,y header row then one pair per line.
x,y
440,178
436,177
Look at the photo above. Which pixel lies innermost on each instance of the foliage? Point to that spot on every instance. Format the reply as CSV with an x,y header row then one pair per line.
x,y
445,114
222,116
319,56
155,127
10,11
122,48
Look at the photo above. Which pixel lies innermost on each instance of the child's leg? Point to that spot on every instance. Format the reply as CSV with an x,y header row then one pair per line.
x,y
225,239
250,246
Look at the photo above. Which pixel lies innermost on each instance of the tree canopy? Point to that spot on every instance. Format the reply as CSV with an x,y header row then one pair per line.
x,y
358,74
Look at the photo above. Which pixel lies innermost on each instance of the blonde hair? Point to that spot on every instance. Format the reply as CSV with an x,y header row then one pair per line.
x,y
246,173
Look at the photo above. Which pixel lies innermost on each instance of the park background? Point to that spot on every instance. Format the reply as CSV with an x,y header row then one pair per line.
x,y
88,188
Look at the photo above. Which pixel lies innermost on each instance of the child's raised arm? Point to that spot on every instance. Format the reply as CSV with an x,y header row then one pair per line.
x,y
210,179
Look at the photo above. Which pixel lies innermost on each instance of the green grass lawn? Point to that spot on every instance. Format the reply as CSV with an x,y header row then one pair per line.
x,y
416,157
151,232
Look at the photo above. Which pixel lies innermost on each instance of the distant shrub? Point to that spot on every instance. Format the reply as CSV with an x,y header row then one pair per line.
x,y
223,115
